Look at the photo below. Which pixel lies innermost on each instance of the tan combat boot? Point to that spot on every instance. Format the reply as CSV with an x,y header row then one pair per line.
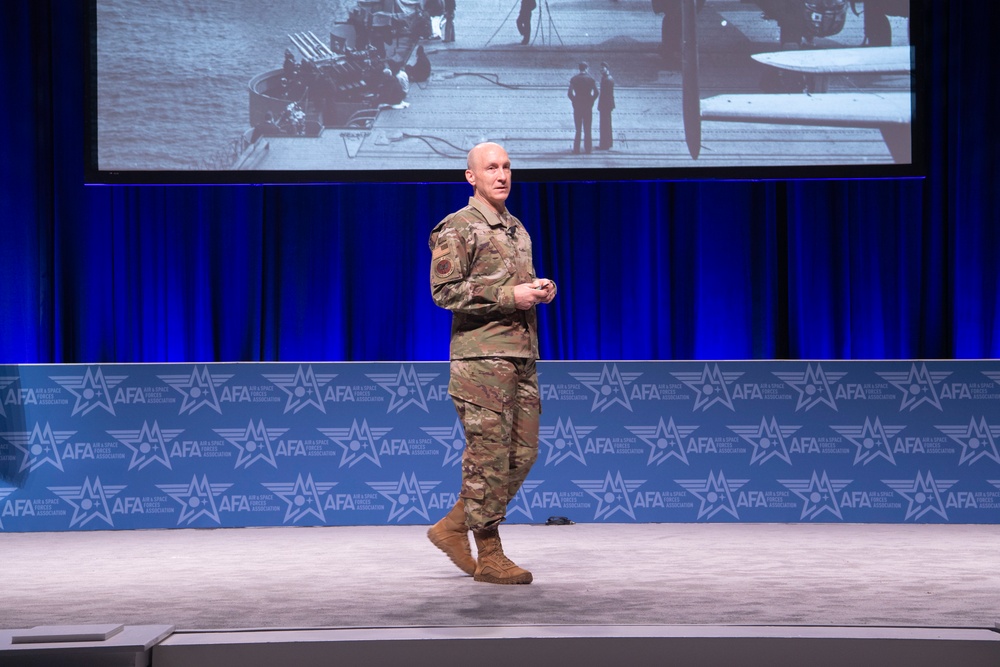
x,y
451,536
494,567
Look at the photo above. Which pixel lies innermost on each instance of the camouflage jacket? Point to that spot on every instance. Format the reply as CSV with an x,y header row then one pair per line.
x,y
477,258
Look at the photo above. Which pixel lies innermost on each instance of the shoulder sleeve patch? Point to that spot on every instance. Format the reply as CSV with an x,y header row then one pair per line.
x,y
442,263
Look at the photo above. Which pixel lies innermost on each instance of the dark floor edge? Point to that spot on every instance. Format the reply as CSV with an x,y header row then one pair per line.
x,y
529,645
585,645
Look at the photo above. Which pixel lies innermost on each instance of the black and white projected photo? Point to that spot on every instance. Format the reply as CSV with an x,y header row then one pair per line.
x,y
357,89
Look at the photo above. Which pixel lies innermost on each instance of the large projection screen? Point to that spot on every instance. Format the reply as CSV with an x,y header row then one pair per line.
x,y
255,91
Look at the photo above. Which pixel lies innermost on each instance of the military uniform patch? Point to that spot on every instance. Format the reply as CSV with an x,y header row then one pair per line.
x,y
442,262
443,268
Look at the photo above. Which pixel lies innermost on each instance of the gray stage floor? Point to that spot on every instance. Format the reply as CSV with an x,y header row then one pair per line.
x,y
652,574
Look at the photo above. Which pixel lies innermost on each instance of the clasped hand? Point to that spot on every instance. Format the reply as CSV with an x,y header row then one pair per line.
x,y
526,295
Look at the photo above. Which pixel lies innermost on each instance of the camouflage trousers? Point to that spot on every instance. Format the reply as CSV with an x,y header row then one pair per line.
x,y
498,404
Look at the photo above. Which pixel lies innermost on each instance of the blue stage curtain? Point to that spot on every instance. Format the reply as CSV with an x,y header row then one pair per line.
x,y
646,270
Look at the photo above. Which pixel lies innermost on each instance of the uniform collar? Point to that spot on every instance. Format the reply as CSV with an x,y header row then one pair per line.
x,y
493,219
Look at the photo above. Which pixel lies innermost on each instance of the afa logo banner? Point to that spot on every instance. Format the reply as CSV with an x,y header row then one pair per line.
x,y
121,446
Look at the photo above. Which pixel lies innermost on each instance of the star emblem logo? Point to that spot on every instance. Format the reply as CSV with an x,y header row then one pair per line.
x,y
768,440
359,442
197,389
993,375
612,494
196,499
563,441
918,386
978,440
92,391
451,438
407,496
521,503
923,494
819,494
715,494
664,440
303,388
873,440
813,386
149,444
40,446
711,386
302,498
89,501
405,387
609,387
252,443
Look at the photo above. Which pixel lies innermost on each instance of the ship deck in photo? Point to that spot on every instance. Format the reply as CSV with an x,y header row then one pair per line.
x,y
488,86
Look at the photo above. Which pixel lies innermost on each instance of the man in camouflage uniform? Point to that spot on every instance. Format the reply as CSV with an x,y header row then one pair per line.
x,y
481,271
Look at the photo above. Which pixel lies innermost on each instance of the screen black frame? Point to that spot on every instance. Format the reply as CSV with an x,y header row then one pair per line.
x,y
920,15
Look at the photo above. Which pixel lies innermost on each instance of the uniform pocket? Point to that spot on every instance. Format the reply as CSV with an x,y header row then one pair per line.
x,y
506,255
476,392
482,382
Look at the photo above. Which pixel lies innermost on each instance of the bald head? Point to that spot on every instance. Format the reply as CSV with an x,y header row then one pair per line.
x,y
478,151
488,173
